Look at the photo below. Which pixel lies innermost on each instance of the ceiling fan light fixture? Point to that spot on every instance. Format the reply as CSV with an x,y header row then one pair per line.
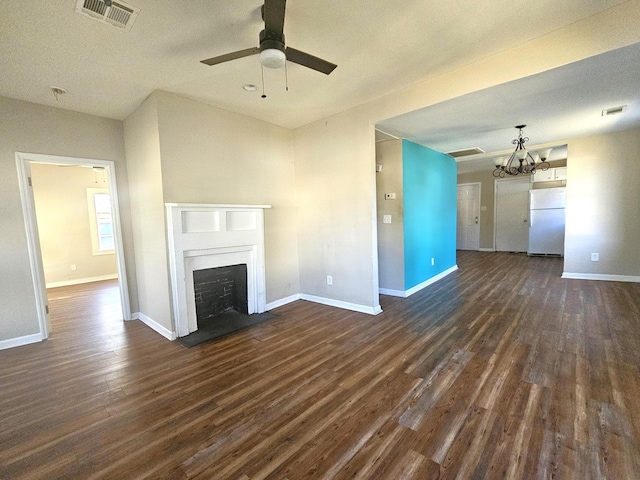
x,y
272,58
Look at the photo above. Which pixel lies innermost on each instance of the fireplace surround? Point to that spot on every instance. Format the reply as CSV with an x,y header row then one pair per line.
x,y
204,236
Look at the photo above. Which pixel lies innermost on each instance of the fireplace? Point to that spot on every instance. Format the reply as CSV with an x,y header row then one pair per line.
x,y
218,290
204,237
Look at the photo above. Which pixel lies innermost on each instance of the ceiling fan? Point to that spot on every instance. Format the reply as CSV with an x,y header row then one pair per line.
x,y
273,51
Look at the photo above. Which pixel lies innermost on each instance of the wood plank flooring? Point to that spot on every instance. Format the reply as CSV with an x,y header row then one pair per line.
x,y
500,370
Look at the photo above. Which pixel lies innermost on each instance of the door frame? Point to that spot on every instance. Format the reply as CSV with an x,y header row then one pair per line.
x,y
23,161
479,184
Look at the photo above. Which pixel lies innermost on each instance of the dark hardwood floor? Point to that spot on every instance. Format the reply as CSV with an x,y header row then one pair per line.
x,y
500,370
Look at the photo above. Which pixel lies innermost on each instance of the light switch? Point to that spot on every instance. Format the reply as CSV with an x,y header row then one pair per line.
x,y
386,219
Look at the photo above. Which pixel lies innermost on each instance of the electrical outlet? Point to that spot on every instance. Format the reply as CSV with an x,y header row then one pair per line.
x,y
386,219
73,267
595,257
329,280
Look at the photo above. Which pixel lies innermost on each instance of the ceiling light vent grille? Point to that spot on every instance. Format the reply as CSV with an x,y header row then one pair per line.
x,y
118,14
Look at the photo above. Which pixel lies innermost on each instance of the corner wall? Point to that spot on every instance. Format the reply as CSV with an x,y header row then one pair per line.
x,y
209,155
603,202
148,215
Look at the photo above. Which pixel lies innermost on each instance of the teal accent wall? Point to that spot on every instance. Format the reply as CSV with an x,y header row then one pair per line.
x,y
430,208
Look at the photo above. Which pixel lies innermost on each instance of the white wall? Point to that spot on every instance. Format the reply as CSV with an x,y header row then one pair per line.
x,y
31,128
603,205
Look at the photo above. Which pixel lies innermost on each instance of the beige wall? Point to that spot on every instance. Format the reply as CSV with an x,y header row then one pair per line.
x,y
31,128
182,151
390,235
335,181
336,226
603,204
334,170
62,210
147,212
210,155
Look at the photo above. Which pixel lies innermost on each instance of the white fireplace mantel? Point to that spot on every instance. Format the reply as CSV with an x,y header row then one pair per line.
x,y
213,235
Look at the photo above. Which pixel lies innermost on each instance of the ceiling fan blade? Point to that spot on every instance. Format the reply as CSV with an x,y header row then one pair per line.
x,y
231,56
309,61
273,15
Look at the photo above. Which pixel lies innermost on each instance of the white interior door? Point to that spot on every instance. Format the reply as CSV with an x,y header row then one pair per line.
x,y
468,228
512,214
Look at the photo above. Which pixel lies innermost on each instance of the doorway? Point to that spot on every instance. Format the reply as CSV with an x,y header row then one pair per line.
x,y
512,214
24,162
468,228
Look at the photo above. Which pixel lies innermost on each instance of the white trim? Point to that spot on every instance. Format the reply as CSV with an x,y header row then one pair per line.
x,y
393,293
340,304
23,161
19,341
486,249
420,286
149,322
283,301
33,244
214,205
78,281
601,276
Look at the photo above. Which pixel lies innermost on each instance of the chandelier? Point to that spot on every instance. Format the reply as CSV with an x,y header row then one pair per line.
x,y
521,161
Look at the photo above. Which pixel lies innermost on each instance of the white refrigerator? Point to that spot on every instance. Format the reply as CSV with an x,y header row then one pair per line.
x,y
546,221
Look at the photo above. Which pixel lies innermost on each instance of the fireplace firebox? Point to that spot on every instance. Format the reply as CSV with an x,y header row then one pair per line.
x,y
218,290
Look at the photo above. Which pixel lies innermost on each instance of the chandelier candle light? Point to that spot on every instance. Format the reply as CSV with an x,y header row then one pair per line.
x,y
529,163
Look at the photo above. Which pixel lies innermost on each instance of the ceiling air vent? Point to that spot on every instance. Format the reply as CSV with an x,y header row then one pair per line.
x,y
465,153
614,110
117,14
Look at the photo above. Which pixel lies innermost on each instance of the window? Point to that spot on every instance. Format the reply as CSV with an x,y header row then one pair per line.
x,y
100,221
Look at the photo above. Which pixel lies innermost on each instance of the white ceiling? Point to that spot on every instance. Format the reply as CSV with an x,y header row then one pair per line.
x,y
378,45
556,105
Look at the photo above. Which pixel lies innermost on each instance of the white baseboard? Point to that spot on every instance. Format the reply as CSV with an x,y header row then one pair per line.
x,y
486,249
79,281
340,304
420,286
393,293
282,301
601,276
19,341
154,325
